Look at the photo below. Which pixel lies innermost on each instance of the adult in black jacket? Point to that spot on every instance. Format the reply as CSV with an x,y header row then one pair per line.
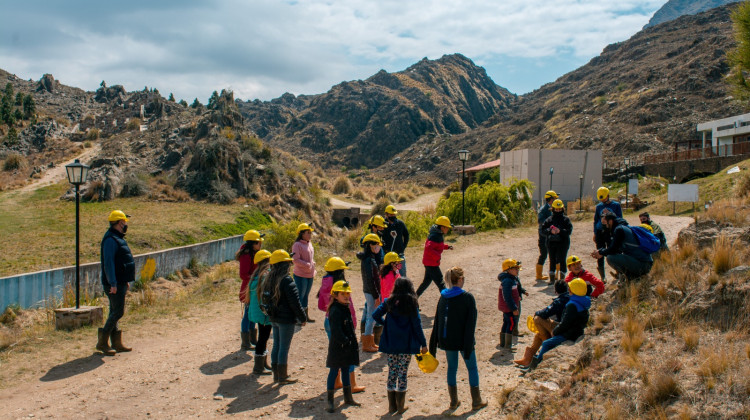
x,y
558,229
395,236
575,317
280,299
624,253
545,321
453,331
118,269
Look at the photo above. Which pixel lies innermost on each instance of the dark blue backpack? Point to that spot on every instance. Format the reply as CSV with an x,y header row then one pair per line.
x,y
647,241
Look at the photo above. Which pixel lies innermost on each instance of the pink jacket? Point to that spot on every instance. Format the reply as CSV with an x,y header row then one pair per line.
x,y
324,297
304,259
387,282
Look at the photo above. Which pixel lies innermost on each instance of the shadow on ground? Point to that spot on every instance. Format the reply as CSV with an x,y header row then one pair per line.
x,y
74,367
249,393
227,362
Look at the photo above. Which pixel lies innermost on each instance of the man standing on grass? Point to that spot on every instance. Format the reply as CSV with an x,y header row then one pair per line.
x,y
118,269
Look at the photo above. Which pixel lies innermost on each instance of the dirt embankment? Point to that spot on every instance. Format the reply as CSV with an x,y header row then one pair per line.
x,y
190,366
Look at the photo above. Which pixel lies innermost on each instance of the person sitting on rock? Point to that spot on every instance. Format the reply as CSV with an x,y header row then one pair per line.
x,y
575,317
594,286
545,321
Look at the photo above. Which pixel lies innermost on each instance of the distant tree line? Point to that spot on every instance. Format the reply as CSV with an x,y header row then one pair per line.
x,y
15,107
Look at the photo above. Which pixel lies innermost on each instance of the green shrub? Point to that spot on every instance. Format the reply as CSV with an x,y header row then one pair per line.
x,y
11,139
14,161
134,186
134,124
487,175
281,236
490,205
419,223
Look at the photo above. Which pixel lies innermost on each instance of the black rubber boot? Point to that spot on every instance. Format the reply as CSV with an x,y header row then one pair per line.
x,y
508,341
245,336
502,339
275,371
377,331
476,399
534,362
401,402
259,368
392,407
453,393
329,407
307,316
253,337
348,398
117,345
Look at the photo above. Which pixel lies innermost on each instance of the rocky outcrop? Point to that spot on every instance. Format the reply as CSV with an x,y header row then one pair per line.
x,y
673,9
47,83
705,232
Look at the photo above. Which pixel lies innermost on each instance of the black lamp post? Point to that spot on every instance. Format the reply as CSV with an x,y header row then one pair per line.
x,y
463,156
580,192
77,174
551,171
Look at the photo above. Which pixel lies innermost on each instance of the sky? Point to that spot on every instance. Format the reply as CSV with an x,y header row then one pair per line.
x,y
261,49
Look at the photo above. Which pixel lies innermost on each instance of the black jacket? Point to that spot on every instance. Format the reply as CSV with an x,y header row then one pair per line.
x,y
288,309
575,318
454,324
118,265
342,347
400,242
624,242
555,309
370,270
562,222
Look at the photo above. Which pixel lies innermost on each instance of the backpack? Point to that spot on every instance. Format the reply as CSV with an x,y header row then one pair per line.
x,y
647,241
267,304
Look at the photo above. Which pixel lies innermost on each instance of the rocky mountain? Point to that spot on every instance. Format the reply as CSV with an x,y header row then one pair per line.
x,y
366,122
676,8
638,97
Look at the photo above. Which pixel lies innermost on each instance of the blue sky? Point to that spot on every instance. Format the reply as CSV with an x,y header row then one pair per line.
x,y
263,48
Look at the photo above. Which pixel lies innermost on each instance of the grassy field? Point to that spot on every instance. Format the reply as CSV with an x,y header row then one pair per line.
x,y
37,229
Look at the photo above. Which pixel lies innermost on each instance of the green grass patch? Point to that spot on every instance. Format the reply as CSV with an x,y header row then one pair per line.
x,y
246,220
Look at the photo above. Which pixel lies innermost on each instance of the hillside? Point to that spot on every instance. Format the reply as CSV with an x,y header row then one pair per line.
x,y
673,9
366,122
637,97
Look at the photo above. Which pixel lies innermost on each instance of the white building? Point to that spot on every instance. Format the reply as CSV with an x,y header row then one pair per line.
x,y
728,136
570,172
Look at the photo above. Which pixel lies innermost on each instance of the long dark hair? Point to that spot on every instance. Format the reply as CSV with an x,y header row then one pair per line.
x,y
403,298
246,248
385,269
260,271
271,281
337,275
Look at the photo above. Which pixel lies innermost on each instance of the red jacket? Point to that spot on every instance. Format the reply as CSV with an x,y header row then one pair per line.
x,y
590,280
247,266
434,247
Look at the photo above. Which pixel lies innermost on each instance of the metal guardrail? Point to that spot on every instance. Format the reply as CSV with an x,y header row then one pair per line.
x,y
736,149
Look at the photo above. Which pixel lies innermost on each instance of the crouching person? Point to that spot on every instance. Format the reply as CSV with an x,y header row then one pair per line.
x,y
545,321
453,331
574,320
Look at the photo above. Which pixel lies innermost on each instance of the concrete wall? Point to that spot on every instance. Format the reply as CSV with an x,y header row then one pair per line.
x,y
534,165
33,289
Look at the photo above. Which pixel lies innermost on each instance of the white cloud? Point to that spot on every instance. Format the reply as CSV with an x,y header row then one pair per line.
x,y
265,47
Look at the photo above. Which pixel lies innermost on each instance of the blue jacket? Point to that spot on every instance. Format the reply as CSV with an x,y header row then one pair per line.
x,y
544,212
613,206
624,242
118,265
555,309
402,334
575,318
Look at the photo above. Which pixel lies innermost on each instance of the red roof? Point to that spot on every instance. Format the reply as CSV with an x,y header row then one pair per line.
x,y
492,164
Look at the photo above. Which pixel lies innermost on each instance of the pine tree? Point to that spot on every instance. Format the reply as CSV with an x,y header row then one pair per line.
x,y
196,104
171,97
19,98
213,101
29,107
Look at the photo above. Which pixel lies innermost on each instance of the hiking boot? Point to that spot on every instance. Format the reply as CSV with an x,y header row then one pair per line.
x,y
476,399
453,393
348,399
103,344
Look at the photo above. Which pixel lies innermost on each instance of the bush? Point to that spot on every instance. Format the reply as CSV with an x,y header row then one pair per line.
x,y
359,195
11,139
134,186
281,236
490,205
379,206
221,193
14,161
134,124
487,175
93,134
418,223
726,255
342,185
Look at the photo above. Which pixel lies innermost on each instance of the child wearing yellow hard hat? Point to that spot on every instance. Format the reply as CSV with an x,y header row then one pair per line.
x,y
509,300
245,256
433,251
343,351
575,317
255,314
304,265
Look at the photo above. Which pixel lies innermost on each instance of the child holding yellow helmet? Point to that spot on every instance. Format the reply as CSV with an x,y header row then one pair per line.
x,y
558,229
343,351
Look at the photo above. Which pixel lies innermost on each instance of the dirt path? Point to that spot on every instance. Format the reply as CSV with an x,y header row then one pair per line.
x,y
418,204
57,173
190,366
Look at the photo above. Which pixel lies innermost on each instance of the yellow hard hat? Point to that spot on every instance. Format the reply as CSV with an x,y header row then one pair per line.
x,y
261,255
444,221
253,235
280,256
558,204
531,325
377,220
335,264
372,237
303,227
341,286
572,260
647,227
510,263
602,193
578,287
389,209
391,257
117,215
550,194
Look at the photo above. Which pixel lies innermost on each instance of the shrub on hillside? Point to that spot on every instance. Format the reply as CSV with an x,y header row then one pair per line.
x,y
490,205
379,206
359,195
133,186
93,134
14,161
342,185
281,236
134,124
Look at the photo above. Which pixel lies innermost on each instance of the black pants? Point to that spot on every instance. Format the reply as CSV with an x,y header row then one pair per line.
x,y
116,307
542,249
264,332
510,322
558,252
431,274
602,240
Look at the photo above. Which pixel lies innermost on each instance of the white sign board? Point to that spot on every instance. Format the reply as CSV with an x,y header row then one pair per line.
x,y
682,192
633,186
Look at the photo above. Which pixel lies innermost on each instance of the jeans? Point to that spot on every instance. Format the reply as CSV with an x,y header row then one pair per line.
x,y
264,333
246,325
334,372
542,249
327,327
369,310
304,285
431,274
116,307
628,265
471,365
282,340
550,344
402,271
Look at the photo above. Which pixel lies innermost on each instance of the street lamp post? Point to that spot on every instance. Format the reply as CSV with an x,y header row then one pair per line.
x,y
77,174
463,156
580,192
551,171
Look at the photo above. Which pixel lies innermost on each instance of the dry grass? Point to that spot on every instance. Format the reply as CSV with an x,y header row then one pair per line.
x,y
691,336
714,362
725,254
661,387
359,195
504,395
632,337
14,161
350,240
342,185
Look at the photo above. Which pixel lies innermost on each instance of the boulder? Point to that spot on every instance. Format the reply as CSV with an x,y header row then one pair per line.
x,y
705,232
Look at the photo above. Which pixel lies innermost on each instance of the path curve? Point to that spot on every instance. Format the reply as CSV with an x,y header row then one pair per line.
x,y
57,173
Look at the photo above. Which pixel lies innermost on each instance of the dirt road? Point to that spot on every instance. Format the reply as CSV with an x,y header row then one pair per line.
x,y
418,204
191,366
57,173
